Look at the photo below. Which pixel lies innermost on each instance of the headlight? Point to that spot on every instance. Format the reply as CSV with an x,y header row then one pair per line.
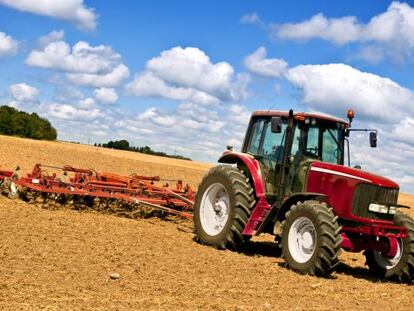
x,y
379,208
392,210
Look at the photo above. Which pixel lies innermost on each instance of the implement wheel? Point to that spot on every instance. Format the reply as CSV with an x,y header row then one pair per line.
x,y
222,207
13,191
311,238
401,267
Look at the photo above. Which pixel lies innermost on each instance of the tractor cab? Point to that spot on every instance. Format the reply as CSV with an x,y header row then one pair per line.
x,y
278,142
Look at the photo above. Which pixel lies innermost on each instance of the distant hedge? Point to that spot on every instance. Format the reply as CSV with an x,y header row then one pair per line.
x,y
19,123
124,145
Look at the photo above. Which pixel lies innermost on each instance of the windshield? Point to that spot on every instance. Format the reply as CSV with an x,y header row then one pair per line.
x,y
323,143
331,148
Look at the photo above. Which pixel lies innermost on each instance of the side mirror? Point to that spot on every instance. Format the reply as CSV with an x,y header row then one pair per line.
x,y
373,139
276,125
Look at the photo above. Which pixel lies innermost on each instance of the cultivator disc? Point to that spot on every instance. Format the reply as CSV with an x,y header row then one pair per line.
x,y
132,196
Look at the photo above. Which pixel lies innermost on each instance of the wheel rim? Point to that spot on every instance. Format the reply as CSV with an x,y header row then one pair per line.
x,y
302,239
389,263
214,209
13,189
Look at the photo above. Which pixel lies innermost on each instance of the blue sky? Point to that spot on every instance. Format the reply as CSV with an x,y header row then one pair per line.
x,y
184,76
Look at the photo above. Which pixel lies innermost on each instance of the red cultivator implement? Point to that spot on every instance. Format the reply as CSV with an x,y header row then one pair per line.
x,y
131,195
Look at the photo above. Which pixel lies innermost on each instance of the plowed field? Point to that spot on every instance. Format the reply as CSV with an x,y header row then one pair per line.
x,y
62,259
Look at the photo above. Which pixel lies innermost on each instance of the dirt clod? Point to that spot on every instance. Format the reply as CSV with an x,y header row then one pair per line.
x,y
316,285
114,276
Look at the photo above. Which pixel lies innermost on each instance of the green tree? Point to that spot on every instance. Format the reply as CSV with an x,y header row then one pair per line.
x,y
20,123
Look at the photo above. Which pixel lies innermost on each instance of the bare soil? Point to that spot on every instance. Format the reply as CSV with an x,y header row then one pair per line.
x,y
63,259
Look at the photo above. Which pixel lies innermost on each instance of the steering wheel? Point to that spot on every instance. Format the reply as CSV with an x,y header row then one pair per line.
x,y
311,152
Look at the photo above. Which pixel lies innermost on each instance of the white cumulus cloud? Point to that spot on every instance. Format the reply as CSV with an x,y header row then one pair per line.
x,y
72,113
339,30
8,45
53,36
111,79
86,65
191,67
149,85
69,10
333,88
23,92
86,103
106,95
390,33
184,73
262,66
403,132
81,58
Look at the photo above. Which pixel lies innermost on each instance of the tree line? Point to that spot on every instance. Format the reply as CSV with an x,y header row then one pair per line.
x,y
19,123
124,145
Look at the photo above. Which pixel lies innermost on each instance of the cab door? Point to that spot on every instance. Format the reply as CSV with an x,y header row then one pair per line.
x,y
268,148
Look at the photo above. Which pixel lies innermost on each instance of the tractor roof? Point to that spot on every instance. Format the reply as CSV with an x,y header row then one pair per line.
x,y
298,115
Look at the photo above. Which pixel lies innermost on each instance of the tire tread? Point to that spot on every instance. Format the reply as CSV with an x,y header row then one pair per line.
x,y
244,200
329,239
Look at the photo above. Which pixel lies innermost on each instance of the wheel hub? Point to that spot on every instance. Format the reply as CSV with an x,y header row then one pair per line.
x,y
306,241
220,208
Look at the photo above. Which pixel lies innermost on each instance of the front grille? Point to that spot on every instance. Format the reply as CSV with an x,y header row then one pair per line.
x,y
365,194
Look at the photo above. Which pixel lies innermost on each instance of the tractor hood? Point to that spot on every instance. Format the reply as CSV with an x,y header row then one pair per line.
x,y
351,173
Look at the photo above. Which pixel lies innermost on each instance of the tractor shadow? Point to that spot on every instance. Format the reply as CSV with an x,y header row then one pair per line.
x,y
271,249
364,274
356,272
265,249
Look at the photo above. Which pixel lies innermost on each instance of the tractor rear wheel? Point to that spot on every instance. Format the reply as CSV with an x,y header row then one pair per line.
x,y
222,207
311,238
401,267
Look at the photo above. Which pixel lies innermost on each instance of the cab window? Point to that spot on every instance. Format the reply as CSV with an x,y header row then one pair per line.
x,y
330,150
265,143
312,142
323,144
273,143
257,132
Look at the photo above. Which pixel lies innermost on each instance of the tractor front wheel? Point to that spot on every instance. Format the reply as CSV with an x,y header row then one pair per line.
x,y
222,207
311,238
401,267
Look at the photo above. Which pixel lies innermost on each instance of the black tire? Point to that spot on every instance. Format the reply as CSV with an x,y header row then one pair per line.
x,y
403,270
241,200
326,241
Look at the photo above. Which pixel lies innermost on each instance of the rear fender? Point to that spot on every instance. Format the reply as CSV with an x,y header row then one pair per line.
x,y
262,208
253,169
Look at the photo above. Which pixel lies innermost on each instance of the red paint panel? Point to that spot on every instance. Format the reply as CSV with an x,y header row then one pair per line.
x,y
252,165
375,179
338,183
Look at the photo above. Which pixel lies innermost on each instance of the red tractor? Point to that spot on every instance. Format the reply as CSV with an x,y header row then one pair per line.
x,y
290,180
